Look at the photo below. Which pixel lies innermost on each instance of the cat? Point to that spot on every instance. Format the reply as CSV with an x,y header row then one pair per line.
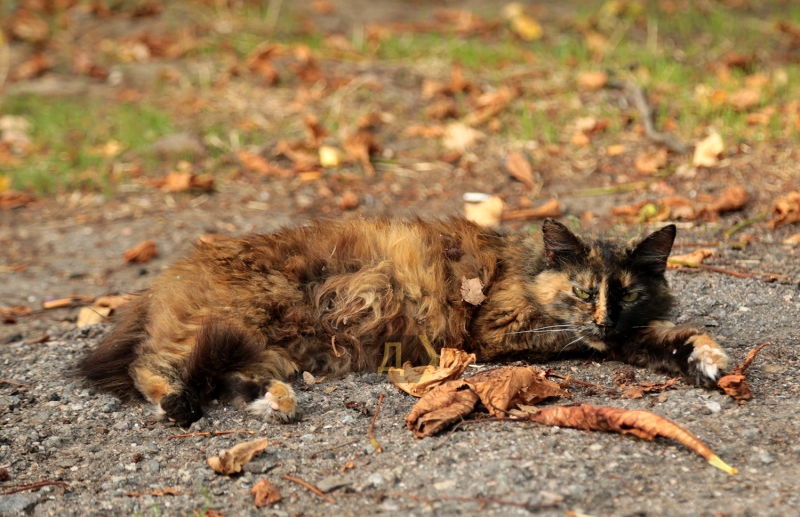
x,y
240,316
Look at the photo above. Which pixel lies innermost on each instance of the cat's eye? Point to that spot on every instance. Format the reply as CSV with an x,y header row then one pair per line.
x,y
630,296
580,293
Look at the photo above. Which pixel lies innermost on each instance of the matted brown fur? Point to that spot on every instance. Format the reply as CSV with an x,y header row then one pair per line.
x,y
239,314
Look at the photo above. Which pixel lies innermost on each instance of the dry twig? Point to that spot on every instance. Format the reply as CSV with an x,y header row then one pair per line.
x,y
637,96
310,487
212,433
375,444
22,487
6,381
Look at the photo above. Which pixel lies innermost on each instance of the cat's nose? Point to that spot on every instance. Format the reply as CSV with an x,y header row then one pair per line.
x,y
606,325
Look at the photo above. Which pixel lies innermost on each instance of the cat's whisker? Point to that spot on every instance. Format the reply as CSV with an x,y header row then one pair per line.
x,y
561,328
579,338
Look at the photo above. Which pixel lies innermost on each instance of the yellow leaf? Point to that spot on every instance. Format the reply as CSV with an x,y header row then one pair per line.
x,y
5,183
525,27
486,213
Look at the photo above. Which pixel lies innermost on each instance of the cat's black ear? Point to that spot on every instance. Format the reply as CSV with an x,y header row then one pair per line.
x,y
652,253
560,244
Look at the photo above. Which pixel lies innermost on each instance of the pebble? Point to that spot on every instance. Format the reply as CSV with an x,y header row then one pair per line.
x,y
713,407
765,457
333,482
376,479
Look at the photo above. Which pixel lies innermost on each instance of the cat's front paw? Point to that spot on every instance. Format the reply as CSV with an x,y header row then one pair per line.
x,y
707,360
279,402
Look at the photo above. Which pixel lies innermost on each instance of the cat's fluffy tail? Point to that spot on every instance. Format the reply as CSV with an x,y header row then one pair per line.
x,y
106,365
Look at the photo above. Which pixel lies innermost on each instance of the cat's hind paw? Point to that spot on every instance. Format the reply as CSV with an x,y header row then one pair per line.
x,y
279,402
707,359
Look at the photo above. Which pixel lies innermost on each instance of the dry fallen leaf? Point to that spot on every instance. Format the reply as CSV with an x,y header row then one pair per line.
x,y
643,424
440,407
486,213
348,201
459,136
176,182
261,165
232,460
785,211
649,163
419,380
593,80
143,252
615,150
330,156
707,151
551,208
92,316
637,391
519,167
472,291
792,240
503,388
732,198
442,108
525,27
14,199
735,383
745,99
265,493
113,302
690,259
36,65
359,146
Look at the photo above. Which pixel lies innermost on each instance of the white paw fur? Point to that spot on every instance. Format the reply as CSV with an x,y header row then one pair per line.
x,y
281,407
709,359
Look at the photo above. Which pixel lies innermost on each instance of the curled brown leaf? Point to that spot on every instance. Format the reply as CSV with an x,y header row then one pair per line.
x,y
141,253
505,387
643,424
440,407
735,383
786,210
265,493
232,460
419,380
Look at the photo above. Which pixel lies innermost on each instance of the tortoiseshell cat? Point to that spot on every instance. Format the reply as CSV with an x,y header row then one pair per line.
x,y
240,316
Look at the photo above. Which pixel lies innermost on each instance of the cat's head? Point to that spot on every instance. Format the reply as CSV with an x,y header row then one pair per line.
x,y
602,288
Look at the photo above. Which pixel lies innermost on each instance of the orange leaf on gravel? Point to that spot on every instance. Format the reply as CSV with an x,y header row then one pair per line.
x,y
141,253
265,493
423,131
690,259
649,163
348,201
643,424
519,167
459,136
419,380
614,150
707,151
442,108
735,383
440,407
505,387
551,208
593,80
29,26
785,211
315,132
732,198
637,391
792,240
232,460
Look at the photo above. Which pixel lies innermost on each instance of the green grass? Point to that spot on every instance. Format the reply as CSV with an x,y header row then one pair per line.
x,y
67,135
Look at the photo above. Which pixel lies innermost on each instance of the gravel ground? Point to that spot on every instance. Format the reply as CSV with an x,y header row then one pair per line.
x,y
56,428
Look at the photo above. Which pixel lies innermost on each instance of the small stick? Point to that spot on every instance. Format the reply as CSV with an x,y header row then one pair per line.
x,y
41,339
375,444
636,94
31,486
314,454
627,485
572,379
212,433
310,487
6,381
